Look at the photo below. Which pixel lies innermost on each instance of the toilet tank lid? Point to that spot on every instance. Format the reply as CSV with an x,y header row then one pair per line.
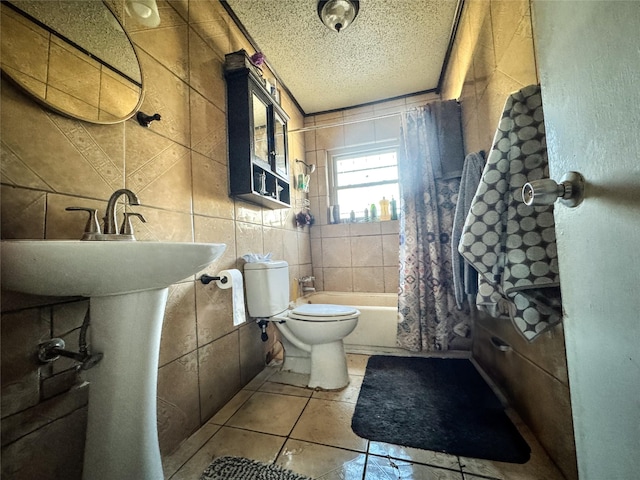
x,y
265,265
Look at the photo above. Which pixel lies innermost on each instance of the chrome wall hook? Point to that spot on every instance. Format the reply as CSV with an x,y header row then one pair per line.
x,y
546,191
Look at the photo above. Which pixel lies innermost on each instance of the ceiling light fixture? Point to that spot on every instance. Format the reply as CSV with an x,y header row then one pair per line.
x,y
144,11
338,14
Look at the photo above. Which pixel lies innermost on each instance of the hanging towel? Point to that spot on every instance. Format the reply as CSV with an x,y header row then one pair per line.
x,y
512,245
465,277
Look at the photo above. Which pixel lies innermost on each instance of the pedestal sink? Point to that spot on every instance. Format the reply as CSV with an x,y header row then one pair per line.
x,y
127,283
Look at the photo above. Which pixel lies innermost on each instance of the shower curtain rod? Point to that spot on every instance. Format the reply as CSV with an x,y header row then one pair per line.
x,y
349,122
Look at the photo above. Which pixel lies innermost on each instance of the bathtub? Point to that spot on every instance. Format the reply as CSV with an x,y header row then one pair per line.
x,y
377,325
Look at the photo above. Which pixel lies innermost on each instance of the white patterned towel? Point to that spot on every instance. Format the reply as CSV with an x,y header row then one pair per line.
x,y
512,245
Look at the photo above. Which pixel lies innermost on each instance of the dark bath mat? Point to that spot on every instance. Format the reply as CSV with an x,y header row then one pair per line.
x,y
435,404
240,468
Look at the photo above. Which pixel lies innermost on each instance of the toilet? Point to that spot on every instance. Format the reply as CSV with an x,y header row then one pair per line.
x,y
312,333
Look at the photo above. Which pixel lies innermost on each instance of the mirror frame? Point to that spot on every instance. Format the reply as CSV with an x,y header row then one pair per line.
x,y
67,113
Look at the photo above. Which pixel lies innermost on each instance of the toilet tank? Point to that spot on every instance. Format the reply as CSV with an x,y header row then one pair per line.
x,y
267,288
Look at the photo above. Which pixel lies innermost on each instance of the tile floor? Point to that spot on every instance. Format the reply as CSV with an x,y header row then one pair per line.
x,y
309,432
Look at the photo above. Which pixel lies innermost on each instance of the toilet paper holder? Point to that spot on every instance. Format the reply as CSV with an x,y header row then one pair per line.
x,y
207,279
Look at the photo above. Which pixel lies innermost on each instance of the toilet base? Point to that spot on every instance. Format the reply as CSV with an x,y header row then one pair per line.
x,y
328,366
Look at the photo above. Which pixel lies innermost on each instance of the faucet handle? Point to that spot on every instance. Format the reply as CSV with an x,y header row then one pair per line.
x,y
127,228
92,228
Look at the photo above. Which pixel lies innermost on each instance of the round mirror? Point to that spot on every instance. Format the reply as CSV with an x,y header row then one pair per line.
x,y
73,56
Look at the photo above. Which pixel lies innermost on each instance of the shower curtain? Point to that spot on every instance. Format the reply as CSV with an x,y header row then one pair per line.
x,y
428,316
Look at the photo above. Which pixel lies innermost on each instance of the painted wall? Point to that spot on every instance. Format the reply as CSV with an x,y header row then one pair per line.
x,y
178,168
493,56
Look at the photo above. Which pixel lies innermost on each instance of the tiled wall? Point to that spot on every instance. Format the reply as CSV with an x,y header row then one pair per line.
x,y
494,56
178,168
358,257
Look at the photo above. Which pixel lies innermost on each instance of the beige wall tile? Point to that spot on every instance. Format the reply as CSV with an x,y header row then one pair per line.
x,y
208,128
219,373
366,251
177,401
168,95
211,188
249,239
61,142
368,279
252,351
390,250
164,181
21,332
337,279
290,243
179,324
61,224
214,313
365,229
205,70
391,280
167,44
56,447
217,230
336,252
337,230
23,213
316,252
359,133
304,247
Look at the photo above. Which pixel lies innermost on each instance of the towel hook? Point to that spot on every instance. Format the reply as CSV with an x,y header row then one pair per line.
x,y
546,191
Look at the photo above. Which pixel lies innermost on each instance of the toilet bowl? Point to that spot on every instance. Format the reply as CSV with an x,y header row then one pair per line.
x,y
313,344
312,333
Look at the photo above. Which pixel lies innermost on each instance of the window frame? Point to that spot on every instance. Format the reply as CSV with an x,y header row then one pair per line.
x,y
352,152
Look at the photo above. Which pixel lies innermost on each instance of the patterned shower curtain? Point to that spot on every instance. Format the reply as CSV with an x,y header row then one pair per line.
x,y
428,316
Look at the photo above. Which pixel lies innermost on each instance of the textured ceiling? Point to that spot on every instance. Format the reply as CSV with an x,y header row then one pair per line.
x,y
393,48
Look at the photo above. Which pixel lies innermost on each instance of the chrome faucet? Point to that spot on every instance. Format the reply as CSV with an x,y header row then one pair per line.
x,y
303,288
110,215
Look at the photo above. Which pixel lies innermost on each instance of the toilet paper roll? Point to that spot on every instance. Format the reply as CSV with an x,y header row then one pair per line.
x,y
234,282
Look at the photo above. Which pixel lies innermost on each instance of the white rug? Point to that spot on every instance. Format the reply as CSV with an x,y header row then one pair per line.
x,y
239,468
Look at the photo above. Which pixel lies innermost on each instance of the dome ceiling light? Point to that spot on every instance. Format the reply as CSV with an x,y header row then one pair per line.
x,y
338,14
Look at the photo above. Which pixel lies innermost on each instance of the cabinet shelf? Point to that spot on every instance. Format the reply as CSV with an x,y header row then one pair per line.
x,y
257,135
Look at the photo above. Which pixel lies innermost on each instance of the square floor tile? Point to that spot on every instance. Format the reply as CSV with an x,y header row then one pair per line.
x,y
232,406
172,463
281,388
348,394
269,413
231,441
357,364
329,423
381,468
290,378
414,455
322,462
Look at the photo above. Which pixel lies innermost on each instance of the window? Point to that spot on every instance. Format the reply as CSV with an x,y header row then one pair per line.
x,y
363,177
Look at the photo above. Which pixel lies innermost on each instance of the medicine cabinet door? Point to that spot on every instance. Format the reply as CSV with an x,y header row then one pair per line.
x,y
260,130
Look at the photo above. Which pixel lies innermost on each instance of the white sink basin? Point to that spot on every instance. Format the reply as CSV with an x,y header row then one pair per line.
x,y
95,269
128,284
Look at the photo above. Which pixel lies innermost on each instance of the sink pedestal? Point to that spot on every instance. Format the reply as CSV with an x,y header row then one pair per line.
x,y
122,433
127,285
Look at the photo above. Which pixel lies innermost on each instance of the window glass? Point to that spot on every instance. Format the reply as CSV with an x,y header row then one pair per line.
x,y
364,178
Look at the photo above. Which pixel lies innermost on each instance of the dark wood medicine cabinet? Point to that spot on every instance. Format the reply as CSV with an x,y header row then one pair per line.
x,y
257,133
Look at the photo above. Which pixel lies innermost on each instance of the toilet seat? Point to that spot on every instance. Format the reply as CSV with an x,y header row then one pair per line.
x,y
319,312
